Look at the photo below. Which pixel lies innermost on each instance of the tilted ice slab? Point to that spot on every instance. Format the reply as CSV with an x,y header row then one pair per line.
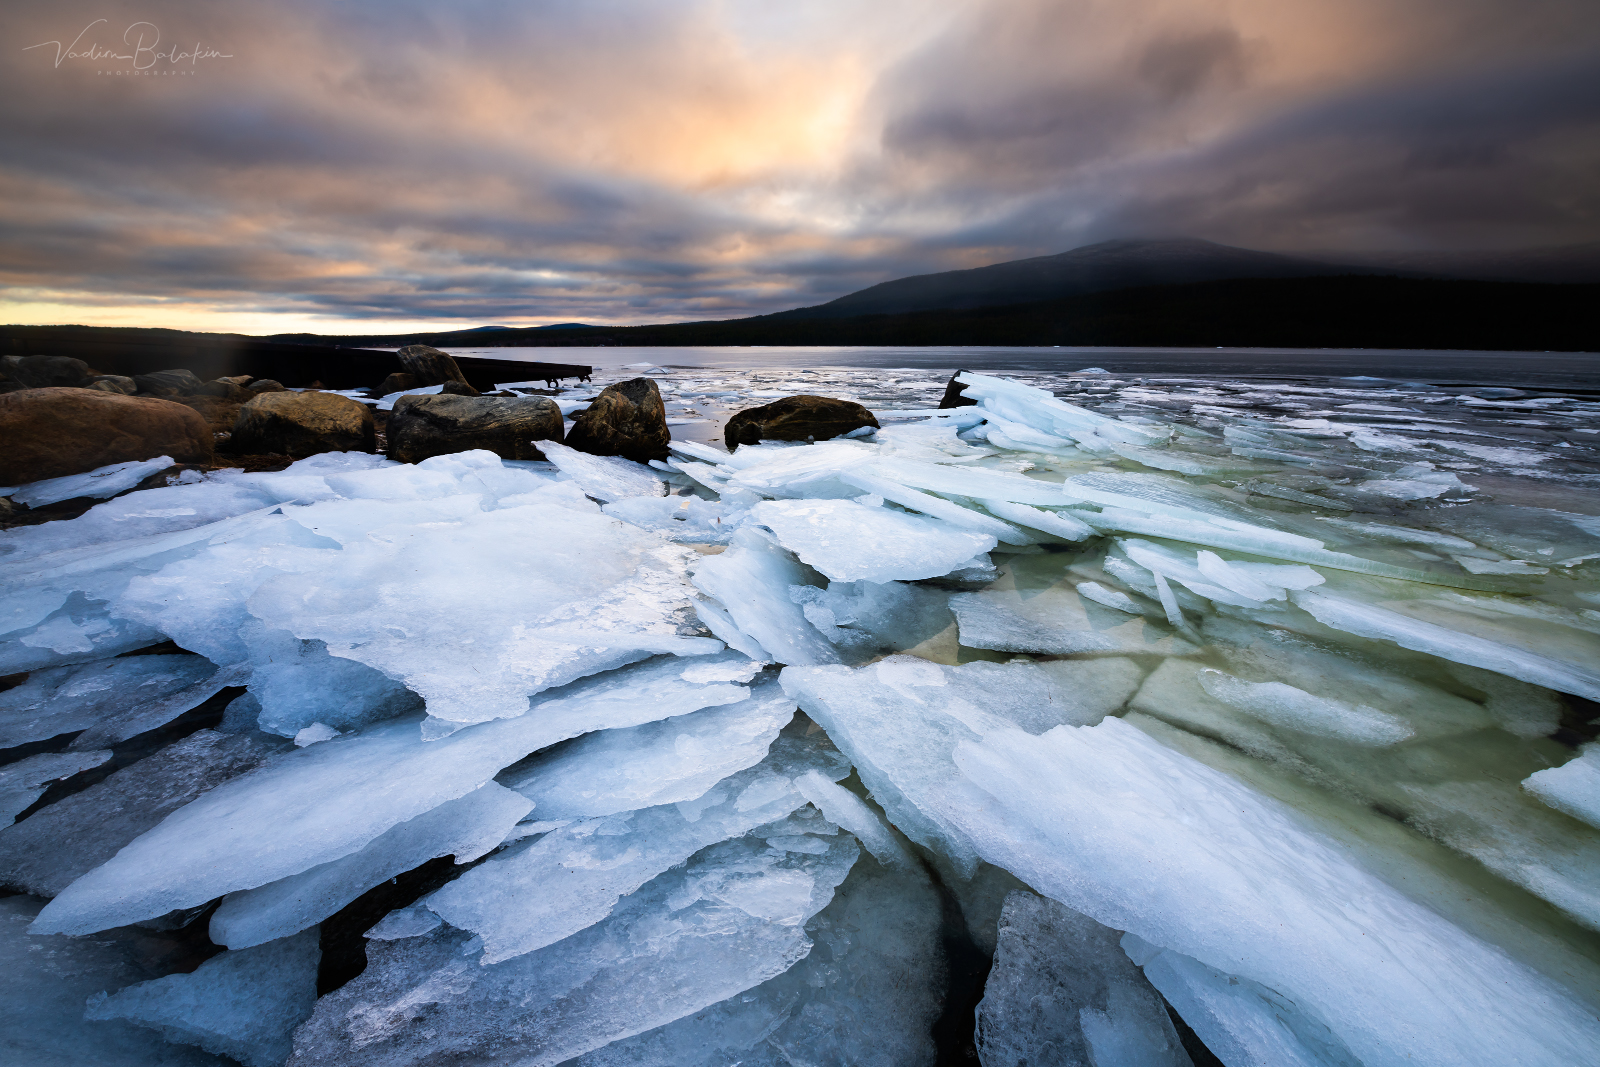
x,y
1522,663
23,782
475,611
731,918
98,483
1144,839
1036,607
465,828
1061,990
67,699
606,478
44,985
677,759
877,958
326,801
60,843
1243,1022
851,542
1041,411
297,683
569,879
750,584
685,519
1573,787
900,719
240,1004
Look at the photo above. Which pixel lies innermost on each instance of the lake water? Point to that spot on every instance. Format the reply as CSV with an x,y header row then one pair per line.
x,y
1547,370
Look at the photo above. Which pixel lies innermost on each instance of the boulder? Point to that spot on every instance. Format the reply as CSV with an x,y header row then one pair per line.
x,y
220,413
429,366
458,389
238,379
223,388
45,372
398,382
441,423
115,383
627,419
955,394
50,433
179,382
796,418
302,424
266,385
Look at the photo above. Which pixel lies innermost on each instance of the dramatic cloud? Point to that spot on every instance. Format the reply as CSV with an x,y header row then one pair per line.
x,y
392,163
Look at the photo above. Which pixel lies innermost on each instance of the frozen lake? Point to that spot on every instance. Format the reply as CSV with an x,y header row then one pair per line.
x,y
1570,370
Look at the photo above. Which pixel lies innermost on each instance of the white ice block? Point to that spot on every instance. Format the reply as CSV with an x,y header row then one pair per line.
x,y
850,542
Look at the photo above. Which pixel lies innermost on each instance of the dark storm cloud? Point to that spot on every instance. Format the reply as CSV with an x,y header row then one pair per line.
x,y
656,159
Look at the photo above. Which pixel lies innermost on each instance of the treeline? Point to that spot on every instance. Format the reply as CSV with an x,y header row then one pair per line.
x,y
1334,312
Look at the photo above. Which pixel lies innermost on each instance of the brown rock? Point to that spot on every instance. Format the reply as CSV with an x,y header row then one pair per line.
x,y
458,389
627,419
50,433
180,382
220,413
439,424
223,388
429,366
398,382
266,385
302,424
796,418
115,383
955,395
45,372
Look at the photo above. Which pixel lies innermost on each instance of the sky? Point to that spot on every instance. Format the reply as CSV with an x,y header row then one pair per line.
x,y
359,166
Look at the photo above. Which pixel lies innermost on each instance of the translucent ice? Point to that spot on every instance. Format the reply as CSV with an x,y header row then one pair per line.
x,y
240,1004
676,759
1573,787
876,957
850,542
1243,1022
43,984
100,482
1109,822
731,918
56,845
1062,992
606,478
325,801
23,782
67,699
1295,709
750,582
536,894
465,828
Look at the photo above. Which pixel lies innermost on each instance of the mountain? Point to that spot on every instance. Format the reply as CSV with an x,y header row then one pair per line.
x,y
1559,264
1097,268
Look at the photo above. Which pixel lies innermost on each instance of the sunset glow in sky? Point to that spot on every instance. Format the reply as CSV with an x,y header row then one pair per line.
x,y
359,166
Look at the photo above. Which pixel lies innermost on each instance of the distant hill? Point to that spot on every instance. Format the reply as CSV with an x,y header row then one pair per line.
x,y
1562,264
1347,311
1097,268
